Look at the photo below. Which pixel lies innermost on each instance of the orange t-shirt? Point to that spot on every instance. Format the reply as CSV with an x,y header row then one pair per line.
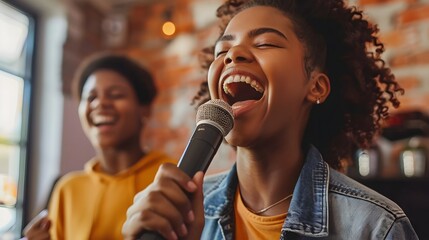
x,y
252,226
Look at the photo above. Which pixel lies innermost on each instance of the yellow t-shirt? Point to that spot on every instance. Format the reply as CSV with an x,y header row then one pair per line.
x,y
91,204
252,226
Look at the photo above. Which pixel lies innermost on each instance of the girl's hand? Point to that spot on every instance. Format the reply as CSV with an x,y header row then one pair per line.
x,y
38,227
172,206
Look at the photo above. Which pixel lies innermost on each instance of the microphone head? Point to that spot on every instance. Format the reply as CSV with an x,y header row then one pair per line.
x,y
218,113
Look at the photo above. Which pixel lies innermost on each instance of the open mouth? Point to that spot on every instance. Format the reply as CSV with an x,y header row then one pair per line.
x,y
101,120
238,88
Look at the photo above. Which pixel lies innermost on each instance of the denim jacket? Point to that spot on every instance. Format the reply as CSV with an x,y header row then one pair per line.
x,y
325,205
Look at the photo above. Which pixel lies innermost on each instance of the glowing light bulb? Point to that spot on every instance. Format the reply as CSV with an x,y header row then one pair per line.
x,y
168,28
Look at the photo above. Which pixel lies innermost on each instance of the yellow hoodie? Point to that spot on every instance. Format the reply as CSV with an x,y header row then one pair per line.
x,y
91,204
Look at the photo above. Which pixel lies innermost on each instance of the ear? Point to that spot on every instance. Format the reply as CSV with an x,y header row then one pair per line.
x,y
319,88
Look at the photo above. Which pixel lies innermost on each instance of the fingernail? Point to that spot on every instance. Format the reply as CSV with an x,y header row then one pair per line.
x,y
183,230
191,216
173,235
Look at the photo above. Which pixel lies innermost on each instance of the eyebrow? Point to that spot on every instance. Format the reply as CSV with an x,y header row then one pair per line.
x,y
109,88
253,33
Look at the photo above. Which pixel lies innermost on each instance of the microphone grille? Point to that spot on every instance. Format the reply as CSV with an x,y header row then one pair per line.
x,y
218,113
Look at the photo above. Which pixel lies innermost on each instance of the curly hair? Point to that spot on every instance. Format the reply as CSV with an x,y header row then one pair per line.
x,y
341,43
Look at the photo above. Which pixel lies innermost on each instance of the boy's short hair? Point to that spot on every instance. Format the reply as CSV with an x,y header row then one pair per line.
x,y
139,77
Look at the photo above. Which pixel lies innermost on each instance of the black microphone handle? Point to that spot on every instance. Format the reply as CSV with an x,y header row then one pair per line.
x,y
150,236
199,153
201,149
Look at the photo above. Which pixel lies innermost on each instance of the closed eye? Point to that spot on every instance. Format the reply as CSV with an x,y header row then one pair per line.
x,y
220,53
116,96
90,98
266,45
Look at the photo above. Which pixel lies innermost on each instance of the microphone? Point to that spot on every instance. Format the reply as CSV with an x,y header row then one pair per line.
x,y
213,122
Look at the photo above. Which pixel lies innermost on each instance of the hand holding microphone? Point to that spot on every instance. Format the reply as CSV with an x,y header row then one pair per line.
x,y
172,206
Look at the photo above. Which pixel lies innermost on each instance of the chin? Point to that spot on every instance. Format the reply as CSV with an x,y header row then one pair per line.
x,y
238,140
107,143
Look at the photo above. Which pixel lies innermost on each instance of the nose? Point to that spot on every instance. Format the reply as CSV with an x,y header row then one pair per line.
x,y
237,54
101,102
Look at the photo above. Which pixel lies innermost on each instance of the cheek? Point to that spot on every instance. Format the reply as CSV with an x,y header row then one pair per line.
x,y
287,86
131,115
84,122
283,63
213,77
286,75
82,112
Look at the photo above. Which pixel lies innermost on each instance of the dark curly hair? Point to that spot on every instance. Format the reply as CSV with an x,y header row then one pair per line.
x,y
139,77
344,45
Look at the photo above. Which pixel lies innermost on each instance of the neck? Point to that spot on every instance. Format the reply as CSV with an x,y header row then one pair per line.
x,y
115,160
268,174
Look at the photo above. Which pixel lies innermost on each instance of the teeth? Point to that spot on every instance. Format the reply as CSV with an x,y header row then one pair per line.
x,y
226,90
248,80
245,79
102,119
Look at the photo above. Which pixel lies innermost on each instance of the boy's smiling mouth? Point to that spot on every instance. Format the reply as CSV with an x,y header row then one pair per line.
x,y
102,120
239,88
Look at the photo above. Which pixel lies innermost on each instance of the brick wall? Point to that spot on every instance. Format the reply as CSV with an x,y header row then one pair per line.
x,y
172,60
178,73
404,28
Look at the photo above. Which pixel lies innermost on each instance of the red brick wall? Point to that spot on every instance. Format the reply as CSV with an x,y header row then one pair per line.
x,y
172,60
404,28
178,73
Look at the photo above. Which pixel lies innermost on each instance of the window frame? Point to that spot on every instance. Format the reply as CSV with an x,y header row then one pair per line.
x,y
24,143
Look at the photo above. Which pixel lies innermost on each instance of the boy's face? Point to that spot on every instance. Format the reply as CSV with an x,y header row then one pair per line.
x,y
109,110
259,70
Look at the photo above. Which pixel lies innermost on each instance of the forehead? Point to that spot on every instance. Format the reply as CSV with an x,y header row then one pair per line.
x,y
104,78
258,17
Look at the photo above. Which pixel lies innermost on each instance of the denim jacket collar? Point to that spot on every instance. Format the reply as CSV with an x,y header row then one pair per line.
x,y
308,211
219,202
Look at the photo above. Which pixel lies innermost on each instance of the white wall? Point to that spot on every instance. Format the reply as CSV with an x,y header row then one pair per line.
x,y
76,148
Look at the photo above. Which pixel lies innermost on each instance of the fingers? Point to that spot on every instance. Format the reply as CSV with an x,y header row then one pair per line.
x,y
166,206
148,221
46,225
38,235
196,227
38,228
36,221
169,170
40,221
151,213
198,195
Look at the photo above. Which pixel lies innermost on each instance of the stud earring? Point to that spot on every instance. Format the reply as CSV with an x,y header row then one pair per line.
x,y
318,101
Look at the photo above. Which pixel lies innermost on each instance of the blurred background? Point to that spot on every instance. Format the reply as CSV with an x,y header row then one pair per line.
x,y
43,41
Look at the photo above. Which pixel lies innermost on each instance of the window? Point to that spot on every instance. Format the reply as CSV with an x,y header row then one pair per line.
x,y
16,46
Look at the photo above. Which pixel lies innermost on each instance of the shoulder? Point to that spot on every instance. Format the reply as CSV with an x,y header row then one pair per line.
x,y
148,164
157,158
345,189
363,213
72,179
